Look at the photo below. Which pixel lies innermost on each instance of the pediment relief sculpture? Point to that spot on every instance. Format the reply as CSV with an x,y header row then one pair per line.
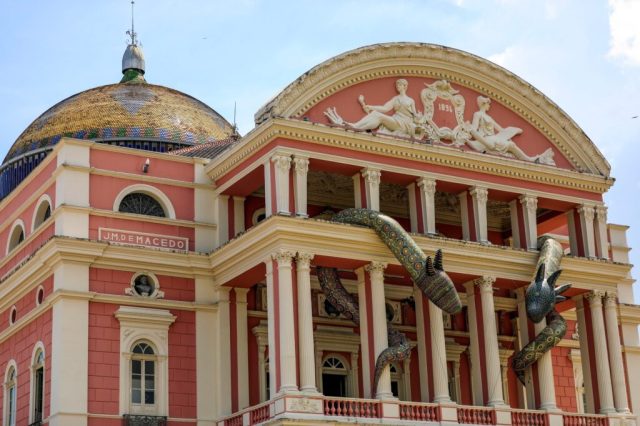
x,y
399,116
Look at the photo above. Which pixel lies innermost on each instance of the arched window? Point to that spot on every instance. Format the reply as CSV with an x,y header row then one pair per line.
x,y
141,203
10,392
43,212
37,392
143,377
334,377
16,236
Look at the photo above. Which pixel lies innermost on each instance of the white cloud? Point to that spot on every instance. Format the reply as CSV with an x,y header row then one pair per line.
x,y
625,30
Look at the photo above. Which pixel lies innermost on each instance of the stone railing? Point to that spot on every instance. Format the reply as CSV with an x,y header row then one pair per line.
x,y
346,410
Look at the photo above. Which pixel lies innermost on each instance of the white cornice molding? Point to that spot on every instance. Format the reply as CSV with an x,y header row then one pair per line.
x,y
439,62
390,147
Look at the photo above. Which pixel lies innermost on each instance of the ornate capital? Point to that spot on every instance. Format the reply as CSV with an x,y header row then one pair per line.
x,y
376,267
283,257
480,194
303,259
371,176
428,185
587,212
611,298
601,213
529,202
282,162
595,297
485,283
301,165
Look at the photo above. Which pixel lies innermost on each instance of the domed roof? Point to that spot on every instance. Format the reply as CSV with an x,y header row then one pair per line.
x,y
130,110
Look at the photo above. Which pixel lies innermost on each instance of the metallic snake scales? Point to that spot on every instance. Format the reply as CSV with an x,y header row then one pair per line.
x,y
427,275
540,301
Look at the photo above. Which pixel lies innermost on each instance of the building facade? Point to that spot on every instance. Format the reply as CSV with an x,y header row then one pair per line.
x,y
160,269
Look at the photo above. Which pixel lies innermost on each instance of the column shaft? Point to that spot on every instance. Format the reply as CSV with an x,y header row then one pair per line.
x,y
305,325
364,334
479,197
427,195
242,341
438,355
238,215
223,218
584,353
529,209
286,323
372,188
515,223
545,376
600,349
615,354
474,347
523,329
379,314
282,163
423,364
602,242
587,214
300,184
492,356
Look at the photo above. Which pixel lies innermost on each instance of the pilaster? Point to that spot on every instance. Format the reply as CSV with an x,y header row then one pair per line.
x,y
523,331
238,214
587,214
222,202
529,209
421,330
206,342
427,197
282,167
602,243
372,188
474,346
242,352
223,352
583,334
479,196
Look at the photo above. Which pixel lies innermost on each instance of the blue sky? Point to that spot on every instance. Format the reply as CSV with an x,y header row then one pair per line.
x,y
584,55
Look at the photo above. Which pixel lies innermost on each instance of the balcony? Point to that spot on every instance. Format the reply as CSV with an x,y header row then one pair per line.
x,y
137,420
285,408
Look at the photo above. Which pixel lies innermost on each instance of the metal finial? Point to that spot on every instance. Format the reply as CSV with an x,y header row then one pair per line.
x,y
131,33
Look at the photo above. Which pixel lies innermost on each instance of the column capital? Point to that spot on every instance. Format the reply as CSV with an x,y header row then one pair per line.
x,y
427,184
239,198
304,259
282,161
587,211
611,299
376,267
301,164
480,193
601,212
283,256
485,283
529,202
371,175
594,297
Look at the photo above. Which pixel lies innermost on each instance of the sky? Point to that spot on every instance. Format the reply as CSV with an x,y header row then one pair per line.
x,y
583,54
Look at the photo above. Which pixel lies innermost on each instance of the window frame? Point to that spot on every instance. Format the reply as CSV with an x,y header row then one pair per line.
x,y
35,366
13,241
151,191
10,394
39,214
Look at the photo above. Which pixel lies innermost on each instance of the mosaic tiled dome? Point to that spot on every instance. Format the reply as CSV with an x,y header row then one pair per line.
x,y
133,110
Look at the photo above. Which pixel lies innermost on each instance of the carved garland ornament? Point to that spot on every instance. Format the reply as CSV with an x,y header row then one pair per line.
x,y
399,116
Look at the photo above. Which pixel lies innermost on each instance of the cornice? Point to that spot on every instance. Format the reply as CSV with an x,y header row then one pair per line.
x,y
403,149
438,62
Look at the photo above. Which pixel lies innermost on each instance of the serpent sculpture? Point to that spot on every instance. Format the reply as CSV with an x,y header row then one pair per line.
x,y
540,300
429,276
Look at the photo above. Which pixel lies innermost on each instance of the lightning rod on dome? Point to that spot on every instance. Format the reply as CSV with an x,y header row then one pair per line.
x,y
131,33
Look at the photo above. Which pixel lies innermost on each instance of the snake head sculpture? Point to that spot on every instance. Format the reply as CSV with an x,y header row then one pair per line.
x,y
542,295
438,286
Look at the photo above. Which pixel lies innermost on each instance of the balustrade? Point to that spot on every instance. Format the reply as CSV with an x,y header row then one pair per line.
x,y
529,418
476,415
419,412
352,408
584,420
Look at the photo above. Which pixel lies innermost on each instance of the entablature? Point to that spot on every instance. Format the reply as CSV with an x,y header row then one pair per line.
x,y
320,139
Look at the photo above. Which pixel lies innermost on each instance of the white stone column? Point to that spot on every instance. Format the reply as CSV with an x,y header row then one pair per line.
x,y
286,323
379,314
602,242
464,215
355,391
242,342
414,205
474,346
427,199
615,353
529,209
479,196
271,327
364,334
223,352
573,233
515,223
223,218
587,214
238,215
319,354
423,364
523,330
282,163
269,191
305,324
600,349
438,355
301,168
545,375
583,340
372,188
505,354
492,356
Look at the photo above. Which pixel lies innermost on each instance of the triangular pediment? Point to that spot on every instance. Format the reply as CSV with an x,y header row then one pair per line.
x,y
435,95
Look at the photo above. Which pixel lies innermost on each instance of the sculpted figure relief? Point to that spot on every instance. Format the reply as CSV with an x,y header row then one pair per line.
x,y
483,134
